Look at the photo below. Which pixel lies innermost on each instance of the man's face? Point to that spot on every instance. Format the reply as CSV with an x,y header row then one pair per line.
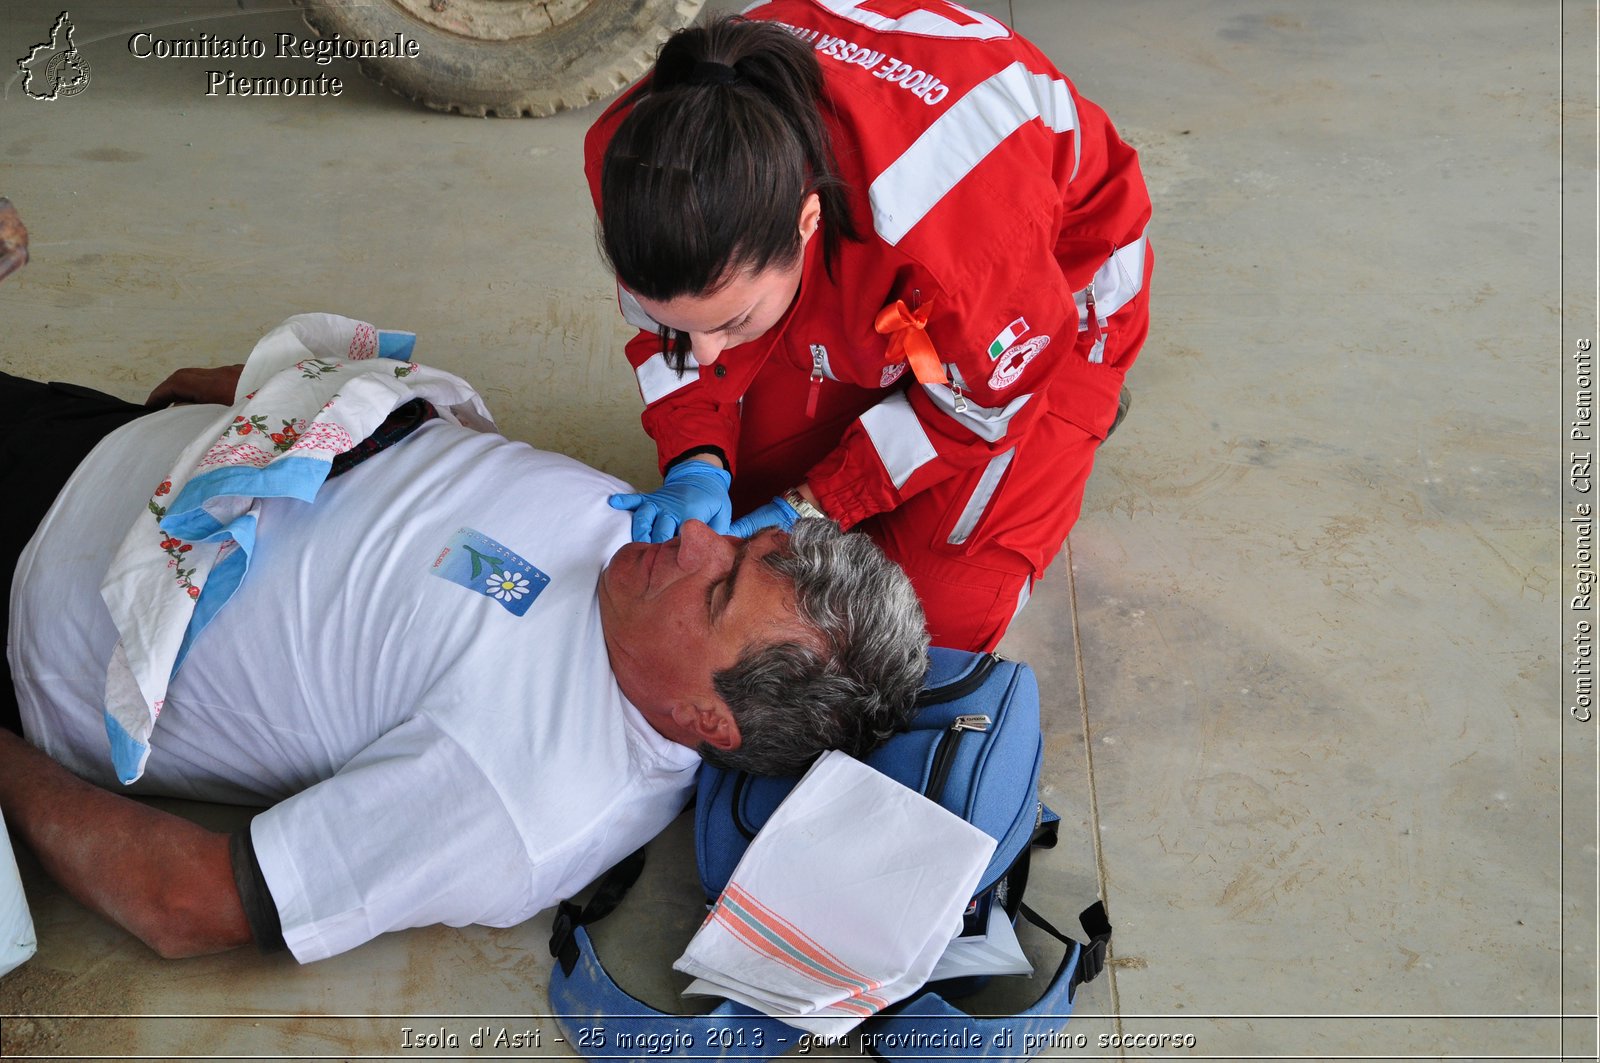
x,y
675,613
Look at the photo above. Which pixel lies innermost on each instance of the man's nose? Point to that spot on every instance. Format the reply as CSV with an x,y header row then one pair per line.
x,y
707,347
700,548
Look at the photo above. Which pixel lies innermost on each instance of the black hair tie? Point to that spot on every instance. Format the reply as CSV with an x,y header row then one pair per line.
x,y
711,72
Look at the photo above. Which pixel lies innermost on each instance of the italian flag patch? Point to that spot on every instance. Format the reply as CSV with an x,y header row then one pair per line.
x,y
1008,337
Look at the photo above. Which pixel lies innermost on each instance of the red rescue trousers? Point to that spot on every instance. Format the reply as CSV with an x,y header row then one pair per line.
x,y
1007,525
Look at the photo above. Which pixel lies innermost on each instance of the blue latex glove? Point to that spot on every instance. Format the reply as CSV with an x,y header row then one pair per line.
x,y
693,490
775,514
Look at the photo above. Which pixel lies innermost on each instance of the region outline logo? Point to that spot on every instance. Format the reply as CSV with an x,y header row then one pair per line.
x,y
57,64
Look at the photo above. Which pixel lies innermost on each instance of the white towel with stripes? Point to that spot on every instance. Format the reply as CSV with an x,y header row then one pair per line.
x,y
842,904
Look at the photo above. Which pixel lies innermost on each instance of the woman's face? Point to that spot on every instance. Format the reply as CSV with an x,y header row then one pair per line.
x,y
743,309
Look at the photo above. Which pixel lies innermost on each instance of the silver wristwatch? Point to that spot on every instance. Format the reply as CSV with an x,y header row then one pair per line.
x,y
801,506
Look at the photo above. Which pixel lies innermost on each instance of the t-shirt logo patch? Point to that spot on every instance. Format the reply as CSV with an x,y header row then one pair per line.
x,y
478,563
1008,338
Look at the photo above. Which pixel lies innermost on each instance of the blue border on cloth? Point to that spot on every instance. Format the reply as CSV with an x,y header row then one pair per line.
x,y
287,477
223,580
396,345
127,752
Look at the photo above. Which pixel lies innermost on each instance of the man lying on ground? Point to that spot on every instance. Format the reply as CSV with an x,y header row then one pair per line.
x,y
462,742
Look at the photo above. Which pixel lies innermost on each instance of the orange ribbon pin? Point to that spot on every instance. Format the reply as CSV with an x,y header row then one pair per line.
x,y
907,330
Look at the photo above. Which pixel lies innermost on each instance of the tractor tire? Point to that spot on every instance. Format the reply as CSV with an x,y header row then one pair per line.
x,y
507,58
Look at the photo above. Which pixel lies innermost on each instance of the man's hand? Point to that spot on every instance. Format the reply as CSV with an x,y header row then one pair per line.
x,y
160,877
197,385
13,239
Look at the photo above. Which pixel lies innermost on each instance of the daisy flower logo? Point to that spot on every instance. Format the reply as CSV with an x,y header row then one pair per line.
x,y
507,586
473,560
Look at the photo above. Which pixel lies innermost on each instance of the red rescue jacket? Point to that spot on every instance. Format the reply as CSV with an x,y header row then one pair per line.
x,y
998,207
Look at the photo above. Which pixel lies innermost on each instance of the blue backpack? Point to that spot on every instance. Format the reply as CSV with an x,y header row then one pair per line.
x,y
975,747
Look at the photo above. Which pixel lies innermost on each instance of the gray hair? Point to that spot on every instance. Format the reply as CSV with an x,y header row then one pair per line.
x,y
792,702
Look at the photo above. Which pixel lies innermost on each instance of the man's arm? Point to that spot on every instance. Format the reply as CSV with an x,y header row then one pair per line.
x,y
215,386
158,876
13,240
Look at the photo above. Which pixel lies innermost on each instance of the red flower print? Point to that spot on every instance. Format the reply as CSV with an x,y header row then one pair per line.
x,y
166,485
194,592
244,429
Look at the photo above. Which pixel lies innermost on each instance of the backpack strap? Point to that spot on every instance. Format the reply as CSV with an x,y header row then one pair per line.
x,y
601,1020
929,1019
611,888
584,998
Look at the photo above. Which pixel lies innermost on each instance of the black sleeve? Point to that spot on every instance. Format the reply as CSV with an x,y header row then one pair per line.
x,y
259,909
716,452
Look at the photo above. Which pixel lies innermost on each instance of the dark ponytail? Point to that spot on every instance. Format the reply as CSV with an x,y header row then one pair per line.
x,y
707,174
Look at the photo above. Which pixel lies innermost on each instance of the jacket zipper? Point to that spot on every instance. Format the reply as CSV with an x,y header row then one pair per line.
x,y
956,384
1095,335
818,352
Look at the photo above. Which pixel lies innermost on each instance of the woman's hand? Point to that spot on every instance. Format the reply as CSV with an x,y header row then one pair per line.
x,y
693,490
780,513
775,514
197,385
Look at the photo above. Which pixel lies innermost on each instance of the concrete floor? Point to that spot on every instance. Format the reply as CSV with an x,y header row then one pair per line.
x,y
1303,659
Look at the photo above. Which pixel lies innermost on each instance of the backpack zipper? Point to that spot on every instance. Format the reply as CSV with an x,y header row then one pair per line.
x,y
939,695
960,688
945,755
741,780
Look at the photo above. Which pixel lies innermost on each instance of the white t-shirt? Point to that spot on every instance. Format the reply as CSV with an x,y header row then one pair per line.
x,y
430,755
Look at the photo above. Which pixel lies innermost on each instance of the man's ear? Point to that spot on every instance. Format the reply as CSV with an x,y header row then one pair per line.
x,y
710,722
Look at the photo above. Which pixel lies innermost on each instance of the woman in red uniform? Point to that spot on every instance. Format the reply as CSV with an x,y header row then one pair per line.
x,y
887,265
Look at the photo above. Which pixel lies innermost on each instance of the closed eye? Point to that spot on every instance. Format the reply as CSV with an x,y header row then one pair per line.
x,y
719,593
739,325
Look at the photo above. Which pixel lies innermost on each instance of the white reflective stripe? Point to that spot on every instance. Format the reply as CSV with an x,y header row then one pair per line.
x,y
972,25
657,380
633,313
963,136
985,423
1022,597
1116,282
899,438
973,511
